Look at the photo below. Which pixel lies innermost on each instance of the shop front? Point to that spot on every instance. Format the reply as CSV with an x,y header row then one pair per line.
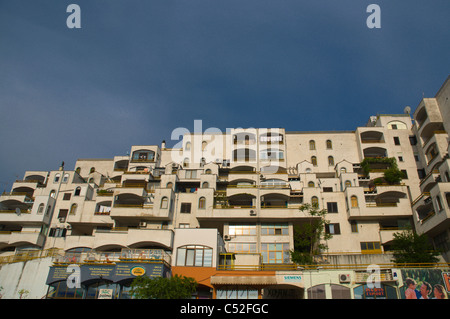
x,y
99,280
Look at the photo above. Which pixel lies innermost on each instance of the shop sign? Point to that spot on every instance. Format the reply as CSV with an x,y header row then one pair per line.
x,y
105,294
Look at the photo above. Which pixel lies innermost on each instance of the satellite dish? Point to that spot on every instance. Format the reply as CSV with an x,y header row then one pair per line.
x,y
407,110
18,212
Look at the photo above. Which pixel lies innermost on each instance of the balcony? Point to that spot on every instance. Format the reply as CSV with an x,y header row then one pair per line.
x,y
371,210
28,237
126,254
369,137
123,237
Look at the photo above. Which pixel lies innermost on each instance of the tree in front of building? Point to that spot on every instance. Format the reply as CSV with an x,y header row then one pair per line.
x,y
177,287
310,237
410,247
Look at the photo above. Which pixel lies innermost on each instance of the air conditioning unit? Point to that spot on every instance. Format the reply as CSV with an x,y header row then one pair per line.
x,y
344,278
69,227
226,237
252,213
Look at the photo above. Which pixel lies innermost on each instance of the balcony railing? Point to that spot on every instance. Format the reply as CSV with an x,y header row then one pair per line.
x,y
127,255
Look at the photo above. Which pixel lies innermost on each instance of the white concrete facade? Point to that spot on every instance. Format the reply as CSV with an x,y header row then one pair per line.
x,y
247,185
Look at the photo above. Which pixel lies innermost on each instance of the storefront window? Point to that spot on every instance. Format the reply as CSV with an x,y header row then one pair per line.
x,y
59,290
102,289
383,292
237,292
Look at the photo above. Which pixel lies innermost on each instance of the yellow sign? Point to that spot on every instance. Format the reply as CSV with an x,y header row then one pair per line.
x,y
137,271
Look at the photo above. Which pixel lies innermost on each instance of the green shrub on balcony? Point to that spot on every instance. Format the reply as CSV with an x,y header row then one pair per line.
x,y
392,175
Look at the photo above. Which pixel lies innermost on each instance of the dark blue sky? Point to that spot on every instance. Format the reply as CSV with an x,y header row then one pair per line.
x,y
137,70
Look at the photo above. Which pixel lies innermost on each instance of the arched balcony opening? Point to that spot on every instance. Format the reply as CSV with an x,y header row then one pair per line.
x,y
372,137
274,201
121,165
103,208
23,190
390,198
143,156
244,138
242,200
128,200
421,116
244,155
371,152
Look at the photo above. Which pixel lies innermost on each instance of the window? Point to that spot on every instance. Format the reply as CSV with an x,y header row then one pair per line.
x,y
53,194
439,203
396,140
332,207
405,174
187,146
205,185
400,158
202,203
67,196
312,145
77,191
208,171
370,247
314,201
192,173
65,178
348,184
57,177
185,208
333,229
275,229
184,225
340,292
242,230
354,201
328,189
164,203
421,173
413,140
317,292
237,247
73,209
329,145
143,156
198,256
330,161
92,170
275,253
354,226
40,209
237,292
62,215
57,232
311,184
169,185
314,160
49,209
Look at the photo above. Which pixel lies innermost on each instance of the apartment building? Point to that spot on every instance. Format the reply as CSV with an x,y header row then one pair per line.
x,y
224,199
